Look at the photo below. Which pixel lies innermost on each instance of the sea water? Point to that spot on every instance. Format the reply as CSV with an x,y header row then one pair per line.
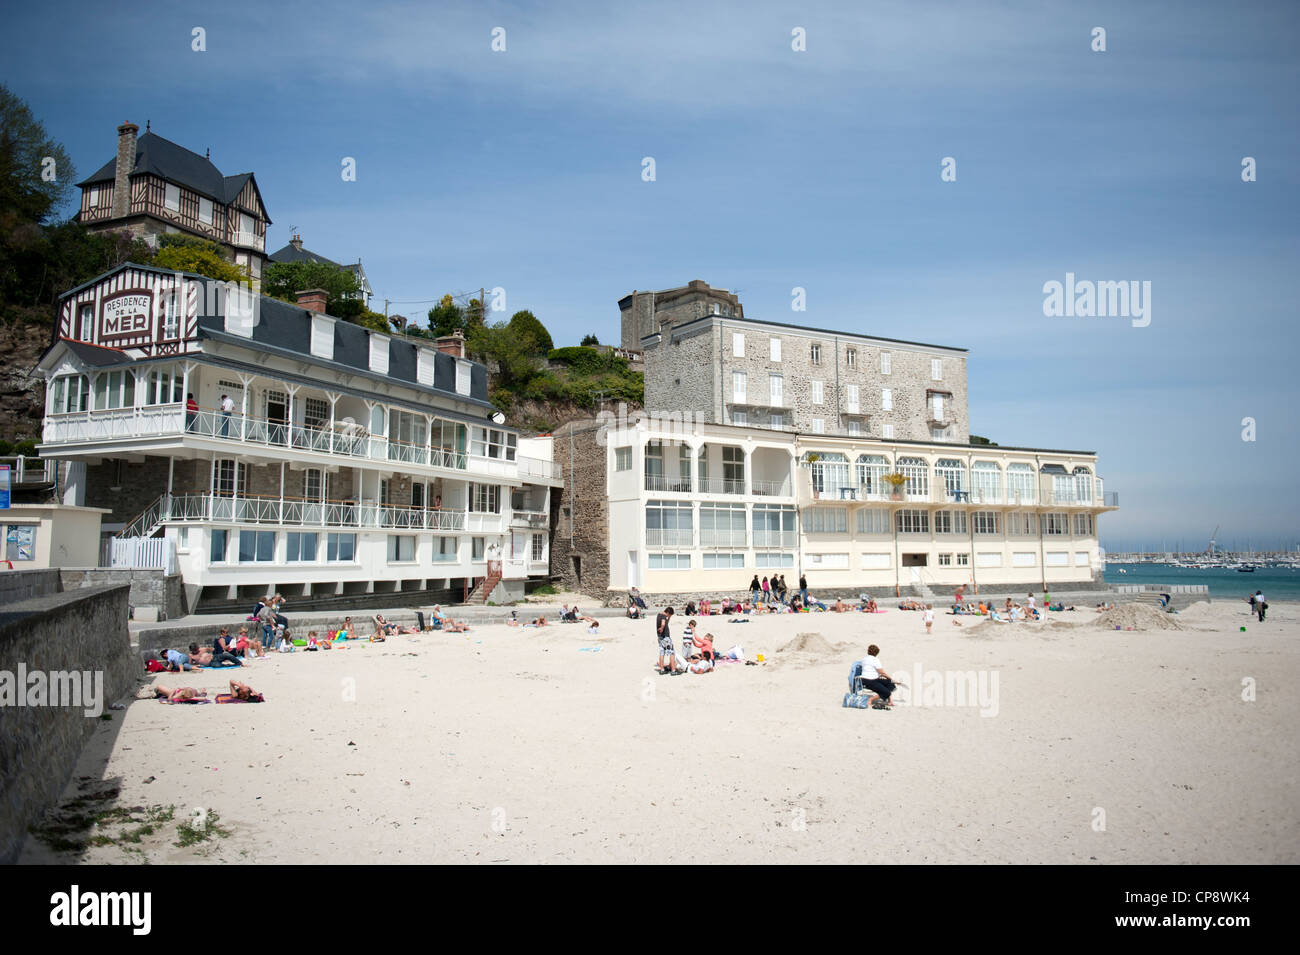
x,y
1278,583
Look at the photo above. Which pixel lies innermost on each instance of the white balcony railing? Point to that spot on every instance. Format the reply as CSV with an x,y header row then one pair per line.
x,y
293,512
725,537
770,538
340,441
248,240
668,537
31,470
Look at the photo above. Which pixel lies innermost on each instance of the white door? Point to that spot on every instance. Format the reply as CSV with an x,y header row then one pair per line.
x,y
632,566
916,575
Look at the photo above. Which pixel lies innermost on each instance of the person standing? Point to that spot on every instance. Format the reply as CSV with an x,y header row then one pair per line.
x,y
1260,605
803,589
767,591
929,617
754,590
227,409
667,656
191,411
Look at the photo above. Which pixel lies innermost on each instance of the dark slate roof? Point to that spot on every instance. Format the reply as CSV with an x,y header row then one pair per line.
x,y
174,163
290,253
96,355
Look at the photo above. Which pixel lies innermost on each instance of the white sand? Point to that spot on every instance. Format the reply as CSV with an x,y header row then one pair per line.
x,y
515,745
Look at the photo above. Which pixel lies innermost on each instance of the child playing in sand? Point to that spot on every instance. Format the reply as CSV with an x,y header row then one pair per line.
x,y
929,617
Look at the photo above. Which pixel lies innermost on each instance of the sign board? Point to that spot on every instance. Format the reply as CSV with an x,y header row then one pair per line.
x,y
126,316
5,476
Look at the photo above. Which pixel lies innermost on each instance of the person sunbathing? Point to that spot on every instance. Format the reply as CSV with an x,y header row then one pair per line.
x,y
240,693
839,606
538,622
1104,607
180,694
910,604
870,606
704,607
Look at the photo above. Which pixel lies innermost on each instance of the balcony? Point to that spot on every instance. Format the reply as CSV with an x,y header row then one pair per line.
x,y
673,485
530,519
725,537
27,471
538,468
205,508
248,240
343,440
771,538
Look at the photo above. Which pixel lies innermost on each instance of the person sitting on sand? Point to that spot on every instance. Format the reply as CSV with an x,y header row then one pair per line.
x,y
1104,607
705,607
383,628
314,640
448,624
569,614
876,680
839,606
344,632
870,606
240,693
178,695
593,625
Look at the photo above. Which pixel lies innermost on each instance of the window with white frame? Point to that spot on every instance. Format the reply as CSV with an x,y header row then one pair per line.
x,y
92,200
164,388
987,523
851,399
936,369
722,525
830,473
401,548
778,421
936,407
851,358
670,561
1022,524
1021,484
945,560
952,472
488,442
716,561
855,428
444,549
229,477
774,349
300,547
872,469
477,548
340,548
623,459
740,417
773,525
767,558
826,520
986,482
668,524
315,412
738,387
172,197
485,498
886,399
818,425
887,432
69,393
418,494
917,473
873,520
312,485
733,469
950,522
463,377
818,392
1083,485
114,389
776,390
885,363
815,354
912,521
1056,523
737,345
1082,525
218,541
539,547
86,322
256,547
963,560
205,210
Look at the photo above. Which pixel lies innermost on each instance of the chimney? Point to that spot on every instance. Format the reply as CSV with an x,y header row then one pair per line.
x,y
453,344
296,241
313,299
125,164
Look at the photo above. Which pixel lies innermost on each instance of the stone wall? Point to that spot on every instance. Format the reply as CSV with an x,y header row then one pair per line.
x,y
16,585
148,588
581,528
644,313
691,369
81,631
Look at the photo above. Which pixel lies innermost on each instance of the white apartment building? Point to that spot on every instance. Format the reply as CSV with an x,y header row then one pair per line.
x,y
702,507
278,448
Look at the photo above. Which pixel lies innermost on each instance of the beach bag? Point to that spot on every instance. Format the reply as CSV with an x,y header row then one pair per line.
x,y
857,701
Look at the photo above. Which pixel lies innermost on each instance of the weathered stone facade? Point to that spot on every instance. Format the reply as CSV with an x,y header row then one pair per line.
x,y
580,529
82,632
644,313
693,368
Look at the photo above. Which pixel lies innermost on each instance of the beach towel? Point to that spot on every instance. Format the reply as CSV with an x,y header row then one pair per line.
x,y
589,649
198,700
231,698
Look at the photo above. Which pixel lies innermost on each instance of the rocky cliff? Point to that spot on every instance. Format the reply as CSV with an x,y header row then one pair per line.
x,y
22,393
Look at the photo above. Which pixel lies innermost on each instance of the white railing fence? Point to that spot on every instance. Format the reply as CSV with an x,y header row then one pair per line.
x,y
139,553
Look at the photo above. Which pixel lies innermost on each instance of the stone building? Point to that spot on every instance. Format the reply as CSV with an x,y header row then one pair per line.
x,y
645,313
733,370
153,186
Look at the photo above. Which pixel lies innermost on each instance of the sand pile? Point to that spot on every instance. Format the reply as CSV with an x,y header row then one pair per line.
x,y
1137,617
808,643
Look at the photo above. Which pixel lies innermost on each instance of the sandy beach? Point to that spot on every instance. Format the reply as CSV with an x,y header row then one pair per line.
x,y
553,745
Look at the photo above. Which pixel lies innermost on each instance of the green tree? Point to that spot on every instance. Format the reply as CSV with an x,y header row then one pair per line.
x,y
514,357
446,317
589,339
36,175
192,254
526,325
283,280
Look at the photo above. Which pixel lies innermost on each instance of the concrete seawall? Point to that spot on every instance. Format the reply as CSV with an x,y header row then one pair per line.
x,y
47,639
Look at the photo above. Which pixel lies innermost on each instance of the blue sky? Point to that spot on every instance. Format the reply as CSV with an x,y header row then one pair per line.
x,y
776,169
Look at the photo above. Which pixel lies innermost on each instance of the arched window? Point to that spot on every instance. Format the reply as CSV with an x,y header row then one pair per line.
x,y
917,473
1021,487
1083,485
952,472
830,472
872,469
986,482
